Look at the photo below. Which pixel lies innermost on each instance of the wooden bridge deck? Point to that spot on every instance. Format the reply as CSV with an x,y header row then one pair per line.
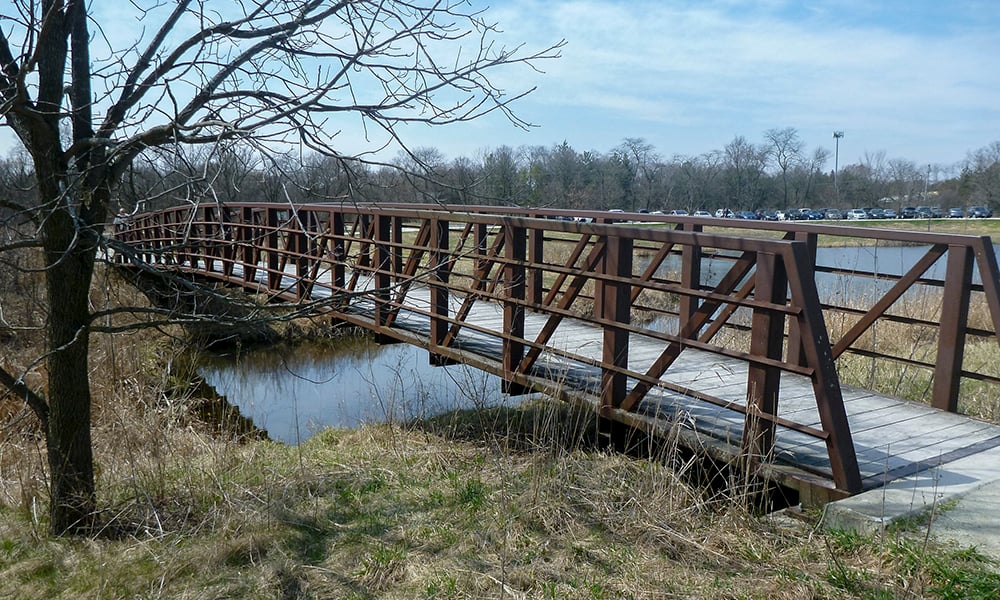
x,y
893,438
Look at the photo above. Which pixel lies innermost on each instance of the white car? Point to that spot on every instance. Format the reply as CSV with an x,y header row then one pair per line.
x,y
856,214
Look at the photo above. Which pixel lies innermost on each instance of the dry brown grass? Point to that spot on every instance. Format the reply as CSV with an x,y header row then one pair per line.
x,y
487,503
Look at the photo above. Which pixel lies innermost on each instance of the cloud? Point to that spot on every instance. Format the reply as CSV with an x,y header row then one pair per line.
x,y
769,64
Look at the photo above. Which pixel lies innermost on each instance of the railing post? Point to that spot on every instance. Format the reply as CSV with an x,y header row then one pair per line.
x,y
303,287
274,275
248,245
337,273
209,244
440,271
767,331
513,310
690,279
614,306
481,238
954,320
536,241
397,249
383,264
795,353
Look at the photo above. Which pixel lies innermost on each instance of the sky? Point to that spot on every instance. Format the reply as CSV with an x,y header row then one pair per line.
x,y
913,79
918,80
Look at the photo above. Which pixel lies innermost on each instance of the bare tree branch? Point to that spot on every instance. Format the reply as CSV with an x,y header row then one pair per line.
x,y
35,401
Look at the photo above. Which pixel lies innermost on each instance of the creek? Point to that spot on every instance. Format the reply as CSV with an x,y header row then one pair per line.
x,y
293,391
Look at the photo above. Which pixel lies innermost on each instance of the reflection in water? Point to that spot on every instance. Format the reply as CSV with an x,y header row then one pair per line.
x,y
292,392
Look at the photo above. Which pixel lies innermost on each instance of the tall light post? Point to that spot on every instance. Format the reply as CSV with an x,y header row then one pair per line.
x,y
836,162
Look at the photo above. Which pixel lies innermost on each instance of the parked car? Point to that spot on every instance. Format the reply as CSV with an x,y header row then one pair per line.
x,y
908,212
889,214
924,212
856,214
678,212
724,213
769,215
956,212
980,212
748,215
875,213
812,215
833,213
702,213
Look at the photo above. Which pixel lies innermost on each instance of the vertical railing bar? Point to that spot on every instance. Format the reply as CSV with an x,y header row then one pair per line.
x,y
440,267
515,241
383,264
615,306
536,272
691,255
951,333
763,382
274,274
986,258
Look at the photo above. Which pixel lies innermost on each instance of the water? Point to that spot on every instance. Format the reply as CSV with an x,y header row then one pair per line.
x,y
293,392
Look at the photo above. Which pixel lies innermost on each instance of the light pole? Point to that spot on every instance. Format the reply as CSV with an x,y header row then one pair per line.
x,y
836,162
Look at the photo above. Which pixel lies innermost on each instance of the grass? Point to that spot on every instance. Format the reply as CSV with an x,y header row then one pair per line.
x,y
505,502
474,504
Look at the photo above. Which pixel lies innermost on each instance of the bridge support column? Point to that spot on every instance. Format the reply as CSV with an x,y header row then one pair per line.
x,y
954,320
515,241
614,305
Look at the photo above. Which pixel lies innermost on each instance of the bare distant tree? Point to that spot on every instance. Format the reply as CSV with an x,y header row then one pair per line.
x,y
744,164
786,150
267,73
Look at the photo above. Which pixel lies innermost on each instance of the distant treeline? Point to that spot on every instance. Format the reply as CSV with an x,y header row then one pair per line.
x,y
775,173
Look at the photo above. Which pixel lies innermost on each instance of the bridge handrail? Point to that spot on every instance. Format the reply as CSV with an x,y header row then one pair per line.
x,y
563,269
964,255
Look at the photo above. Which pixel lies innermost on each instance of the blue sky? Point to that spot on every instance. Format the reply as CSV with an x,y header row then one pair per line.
x,y
918,80
915,79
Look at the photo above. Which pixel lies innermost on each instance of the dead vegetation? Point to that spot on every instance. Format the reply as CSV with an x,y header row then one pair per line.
x,y
505,502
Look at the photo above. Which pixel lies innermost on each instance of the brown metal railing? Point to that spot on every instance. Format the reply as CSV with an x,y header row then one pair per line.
x,y
388,267
951,294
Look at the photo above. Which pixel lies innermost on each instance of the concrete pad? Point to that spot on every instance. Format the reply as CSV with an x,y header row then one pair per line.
x,y
963,496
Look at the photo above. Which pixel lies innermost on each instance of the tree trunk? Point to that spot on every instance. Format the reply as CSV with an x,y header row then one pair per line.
x,y
69,270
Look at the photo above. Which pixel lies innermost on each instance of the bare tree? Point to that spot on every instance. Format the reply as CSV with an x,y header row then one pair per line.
x,y
267,73
744,164
786,150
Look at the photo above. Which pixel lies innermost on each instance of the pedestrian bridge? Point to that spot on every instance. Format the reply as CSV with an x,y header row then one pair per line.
x,y
711,330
